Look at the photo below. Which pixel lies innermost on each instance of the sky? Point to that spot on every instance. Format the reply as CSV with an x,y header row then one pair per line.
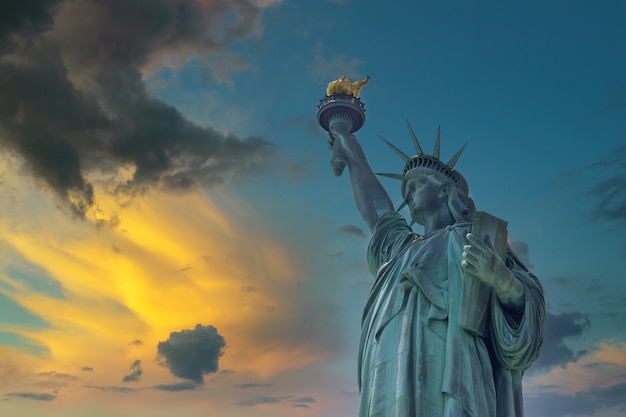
x,y
173,241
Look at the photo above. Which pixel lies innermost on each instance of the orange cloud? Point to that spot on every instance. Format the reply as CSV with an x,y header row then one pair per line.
x,y
601,368
173,261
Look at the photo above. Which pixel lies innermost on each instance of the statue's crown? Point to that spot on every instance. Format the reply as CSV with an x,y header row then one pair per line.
x,y
423,165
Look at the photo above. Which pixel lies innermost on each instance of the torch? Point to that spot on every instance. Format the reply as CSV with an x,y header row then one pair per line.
x,y
341,104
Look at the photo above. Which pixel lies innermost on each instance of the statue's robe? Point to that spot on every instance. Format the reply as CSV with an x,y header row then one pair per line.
x,y
415,360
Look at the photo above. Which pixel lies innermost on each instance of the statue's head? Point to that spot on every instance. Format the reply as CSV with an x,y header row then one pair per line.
x,y
442,176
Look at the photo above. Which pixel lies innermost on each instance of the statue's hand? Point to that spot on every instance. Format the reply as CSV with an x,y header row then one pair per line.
x,y
339,133
481,262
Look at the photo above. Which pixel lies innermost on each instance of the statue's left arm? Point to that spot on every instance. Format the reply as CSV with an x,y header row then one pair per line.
x,y
518,309
516,337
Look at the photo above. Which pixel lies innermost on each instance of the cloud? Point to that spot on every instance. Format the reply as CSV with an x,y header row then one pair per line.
x,y
26,18
252,401
87,369
75,105
251,385
554,351
190,354
608,192
610,197
112,388
180,386
56,375
351,230
135,374
595,381
308,400
580,404
617,97
33,396
302,402
327,66
223,65
54,380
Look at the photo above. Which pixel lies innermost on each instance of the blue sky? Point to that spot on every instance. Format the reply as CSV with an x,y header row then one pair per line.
x,y
163,179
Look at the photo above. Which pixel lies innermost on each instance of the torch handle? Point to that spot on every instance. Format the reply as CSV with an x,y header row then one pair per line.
x,y
338,159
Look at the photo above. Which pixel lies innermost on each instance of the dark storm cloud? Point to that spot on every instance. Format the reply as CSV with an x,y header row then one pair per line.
x,y
181,386
190,354
74,101
135,374
33,396
25,18
554,351
580,404
351,230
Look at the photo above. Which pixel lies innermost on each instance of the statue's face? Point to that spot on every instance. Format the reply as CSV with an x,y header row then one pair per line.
x,y
423,198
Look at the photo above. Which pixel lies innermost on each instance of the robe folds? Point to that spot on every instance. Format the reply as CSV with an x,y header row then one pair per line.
x,y
415,360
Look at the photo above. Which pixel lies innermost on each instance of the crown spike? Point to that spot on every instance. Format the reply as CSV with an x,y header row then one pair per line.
x,y
416,143
392,176
452,162
437,143
396,150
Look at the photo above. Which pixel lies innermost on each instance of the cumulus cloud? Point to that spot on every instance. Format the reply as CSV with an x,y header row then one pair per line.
x,y
135,374
554,351
351,230
33,396
191,354
74,101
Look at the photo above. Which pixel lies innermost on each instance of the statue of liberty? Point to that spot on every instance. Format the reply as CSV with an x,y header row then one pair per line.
x,y
428,349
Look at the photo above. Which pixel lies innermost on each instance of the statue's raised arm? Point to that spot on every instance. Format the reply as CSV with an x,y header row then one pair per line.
x,y
372,201
342,113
